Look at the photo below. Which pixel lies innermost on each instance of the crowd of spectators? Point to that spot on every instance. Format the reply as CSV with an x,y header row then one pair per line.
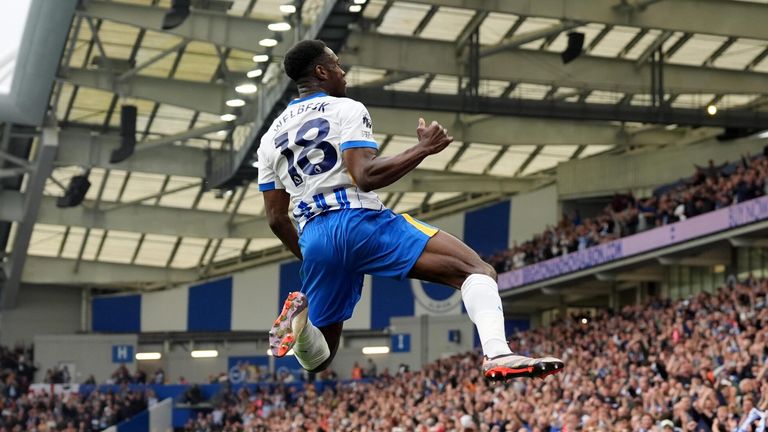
x,y
16,371
26,408
699,364
46,410
710,188
122,375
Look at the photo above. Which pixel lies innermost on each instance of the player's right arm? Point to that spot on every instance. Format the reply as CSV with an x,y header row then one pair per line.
x,y
276,202
371,172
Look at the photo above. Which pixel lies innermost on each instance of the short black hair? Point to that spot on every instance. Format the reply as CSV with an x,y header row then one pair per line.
x,y
300,59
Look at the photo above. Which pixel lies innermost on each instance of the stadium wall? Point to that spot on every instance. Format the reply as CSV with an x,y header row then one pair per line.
x,y
531,213
84,355
41,309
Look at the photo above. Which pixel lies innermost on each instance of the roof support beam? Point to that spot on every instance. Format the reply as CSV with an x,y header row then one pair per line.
x,y
682,40
183,222
405,54
140,218
206,26
719,51
425,21
426,181
650,49
391,77
470,28
517,40
193,95
43,166
191,133
701,16
81,147
45,270
161,55
510,131
560,110
598,38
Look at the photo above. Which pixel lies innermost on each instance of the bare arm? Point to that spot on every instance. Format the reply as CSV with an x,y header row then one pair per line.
x,y
276,202
371,172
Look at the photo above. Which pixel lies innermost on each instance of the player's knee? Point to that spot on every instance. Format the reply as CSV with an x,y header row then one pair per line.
x,y
485,269
491,272
323,366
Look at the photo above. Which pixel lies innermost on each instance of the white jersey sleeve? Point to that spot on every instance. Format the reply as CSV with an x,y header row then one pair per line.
x,y
356,127
268,179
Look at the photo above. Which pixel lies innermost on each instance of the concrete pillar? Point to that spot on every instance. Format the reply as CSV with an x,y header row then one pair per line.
x,y
536,319
613,297
562,308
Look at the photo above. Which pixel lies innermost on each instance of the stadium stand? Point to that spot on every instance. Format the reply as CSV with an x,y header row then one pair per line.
x,y
700,363
696,364
709,188
44,410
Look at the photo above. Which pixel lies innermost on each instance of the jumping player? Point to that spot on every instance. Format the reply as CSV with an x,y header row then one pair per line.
x,y
320,155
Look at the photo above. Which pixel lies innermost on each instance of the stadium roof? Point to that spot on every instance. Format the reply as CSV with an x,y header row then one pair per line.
x,y
153,212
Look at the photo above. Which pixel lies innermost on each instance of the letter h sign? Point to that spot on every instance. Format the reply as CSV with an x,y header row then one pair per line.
x,y
122,353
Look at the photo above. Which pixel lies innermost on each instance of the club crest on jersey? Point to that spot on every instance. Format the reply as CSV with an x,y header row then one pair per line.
x,y
367,122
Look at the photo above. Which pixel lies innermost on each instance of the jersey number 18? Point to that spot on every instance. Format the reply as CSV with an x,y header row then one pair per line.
x,y
317,143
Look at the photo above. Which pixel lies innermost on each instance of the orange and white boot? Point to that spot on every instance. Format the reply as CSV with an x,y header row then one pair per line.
x,y
507,366
289,324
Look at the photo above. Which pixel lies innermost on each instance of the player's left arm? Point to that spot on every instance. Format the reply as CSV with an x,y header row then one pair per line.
x,y
360,151
372,172
276,202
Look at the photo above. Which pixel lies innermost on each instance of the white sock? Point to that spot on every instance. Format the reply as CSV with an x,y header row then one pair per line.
x,y
311,349
481,298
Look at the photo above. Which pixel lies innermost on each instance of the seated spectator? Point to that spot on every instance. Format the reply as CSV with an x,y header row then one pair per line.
x,y
192,395
371,369
159,377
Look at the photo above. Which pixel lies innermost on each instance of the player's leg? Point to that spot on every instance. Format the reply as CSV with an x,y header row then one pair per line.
x,y
312,319
447,260
332,336
400,246
293,330
314,347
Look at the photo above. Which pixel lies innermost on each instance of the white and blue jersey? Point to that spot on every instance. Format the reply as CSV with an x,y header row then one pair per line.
x,y
301,153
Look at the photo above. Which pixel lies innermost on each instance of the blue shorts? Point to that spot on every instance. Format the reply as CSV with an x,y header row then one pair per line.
x,y
341,246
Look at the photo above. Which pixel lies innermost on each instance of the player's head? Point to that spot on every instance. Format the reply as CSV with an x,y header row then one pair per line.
x,y
311,62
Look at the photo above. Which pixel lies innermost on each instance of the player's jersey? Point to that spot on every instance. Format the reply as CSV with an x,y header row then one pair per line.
x,y
301,153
